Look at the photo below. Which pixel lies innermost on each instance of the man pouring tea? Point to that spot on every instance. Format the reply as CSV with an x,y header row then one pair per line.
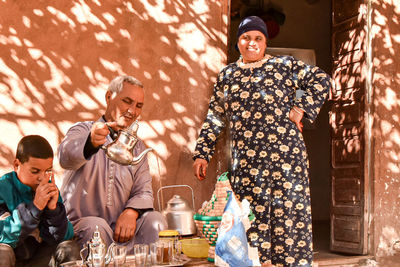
x,y
100,192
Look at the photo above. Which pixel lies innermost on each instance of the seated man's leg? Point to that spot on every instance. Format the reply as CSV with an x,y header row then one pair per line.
x,y
85,227
147,228
7,256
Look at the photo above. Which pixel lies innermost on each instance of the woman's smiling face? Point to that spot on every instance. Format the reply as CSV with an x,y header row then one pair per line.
x,y
252,45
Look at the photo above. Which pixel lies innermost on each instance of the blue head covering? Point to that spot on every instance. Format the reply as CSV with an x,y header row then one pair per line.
x,y
252,23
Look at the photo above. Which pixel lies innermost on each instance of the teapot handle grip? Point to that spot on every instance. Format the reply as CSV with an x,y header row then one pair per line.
x,y
171,186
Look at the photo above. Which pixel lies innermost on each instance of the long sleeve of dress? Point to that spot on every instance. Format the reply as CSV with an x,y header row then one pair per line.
x,y
213,124
315,83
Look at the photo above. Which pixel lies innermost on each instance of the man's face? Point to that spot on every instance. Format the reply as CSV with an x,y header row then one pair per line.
x,y
32,172
125,107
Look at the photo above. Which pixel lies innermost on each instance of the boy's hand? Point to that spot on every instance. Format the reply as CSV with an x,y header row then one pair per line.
x,y
52,204
44,192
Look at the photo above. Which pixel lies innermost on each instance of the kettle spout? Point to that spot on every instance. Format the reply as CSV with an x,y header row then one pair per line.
x,y
139,158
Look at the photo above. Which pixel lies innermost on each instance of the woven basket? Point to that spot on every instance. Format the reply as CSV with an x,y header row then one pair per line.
x,y
208,227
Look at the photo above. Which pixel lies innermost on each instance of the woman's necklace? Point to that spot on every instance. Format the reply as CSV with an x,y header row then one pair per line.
x,y
252,65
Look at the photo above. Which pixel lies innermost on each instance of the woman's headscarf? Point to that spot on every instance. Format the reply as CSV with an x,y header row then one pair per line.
x,y
252,23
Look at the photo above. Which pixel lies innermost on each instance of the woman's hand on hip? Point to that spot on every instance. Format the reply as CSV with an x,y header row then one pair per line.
x,y
295,115
200,168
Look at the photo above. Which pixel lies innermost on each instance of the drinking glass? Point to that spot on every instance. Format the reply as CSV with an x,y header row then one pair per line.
x,y
177,251
157,253
119,255
141,251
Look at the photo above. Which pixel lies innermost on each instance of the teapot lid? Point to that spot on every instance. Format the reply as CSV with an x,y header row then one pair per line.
x,y
177,203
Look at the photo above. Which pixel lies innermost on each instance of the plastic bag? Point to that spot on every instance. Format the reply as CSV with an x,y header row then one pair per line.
x,y
232,248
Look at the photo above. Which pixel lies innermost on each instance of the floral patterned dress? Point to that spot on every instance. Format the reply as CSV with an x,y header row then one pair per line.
x,y
269,164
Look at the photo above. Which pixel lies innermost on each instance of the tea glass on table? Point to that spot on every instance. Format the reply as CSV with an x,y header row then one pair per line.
x,y
141,251
119,255
157,253
177,251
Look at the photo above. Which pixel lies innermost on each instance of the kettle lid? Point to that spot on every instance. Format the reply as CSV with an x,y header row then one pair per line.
x,y
177,203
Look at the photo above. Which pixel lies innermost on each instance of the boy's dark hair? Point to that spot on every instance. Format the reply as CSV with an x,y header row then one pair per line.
x,y
33,146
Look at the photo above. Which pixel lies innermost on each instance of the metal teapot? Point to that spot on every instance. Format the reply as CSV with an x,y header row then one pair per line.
x,y
121,149
178,214
96,255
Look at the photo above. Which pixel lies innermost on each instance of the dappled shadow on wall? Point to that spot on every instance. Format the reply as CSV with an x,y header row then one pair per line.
x,y
57,59
367,101
386,130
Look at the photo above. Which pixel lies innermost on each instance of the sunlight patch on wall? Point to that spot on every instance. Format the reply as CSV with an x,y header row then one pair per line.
x,y
61,16
157,12
85,100
84,15
183,63
111,66
134,63
164,39
154,126
103,37
157,166
190,39
390,100
125,33
110,18
159,147
164,76
200,7
179,108
178,139
98,91
386,240
26,21
38,12
150,129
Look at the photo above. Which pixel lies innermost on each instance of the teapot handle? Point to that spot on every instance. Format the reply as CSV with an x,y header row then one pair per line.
x,y
110,253
171,186
86,259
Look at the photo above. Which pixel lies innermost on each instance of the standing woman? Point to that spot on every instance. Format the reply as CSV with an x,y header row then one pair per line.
x,y
256,98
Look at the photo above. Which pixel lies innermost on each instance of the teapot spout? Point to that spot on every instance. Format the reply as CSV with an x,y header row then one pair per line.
x,y
139,158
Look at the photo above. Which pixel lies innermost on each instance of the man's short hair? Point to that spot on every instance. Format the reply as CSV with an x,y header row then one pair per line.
x,y
33,146
117,83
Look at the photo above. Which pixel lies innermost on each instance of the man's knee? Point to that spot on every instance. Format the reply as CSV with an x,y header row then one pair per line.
x,y
155,220
150,224
7,256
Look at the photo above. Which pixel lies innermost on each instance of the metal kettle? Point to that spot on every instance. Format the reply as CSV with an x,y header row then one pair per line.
x,y
178,214
121,149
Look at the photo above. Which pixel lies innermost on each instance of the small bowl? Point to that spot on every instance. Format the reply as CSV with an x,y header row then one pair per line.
x,y
195,247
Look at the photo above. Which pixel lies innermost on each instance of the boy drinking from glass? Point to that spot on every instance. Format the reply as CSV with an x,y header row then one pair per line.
x,y
33,220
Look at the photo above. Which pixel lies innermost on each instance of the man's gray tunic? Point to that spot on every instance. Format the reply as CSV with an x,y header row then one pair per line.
x,y
97,186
